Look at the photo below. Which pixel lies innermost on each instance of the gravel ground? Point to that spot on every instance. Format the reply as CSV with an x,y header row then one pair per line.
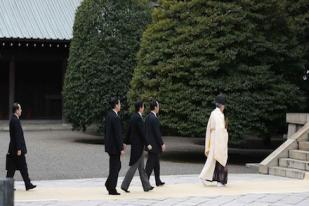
x,y
73,155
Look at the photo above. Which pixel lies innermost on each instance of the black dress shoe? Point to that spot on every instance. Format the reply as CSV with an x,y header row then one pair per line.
x,y
127,191
113,192
30,187
148,189
160,184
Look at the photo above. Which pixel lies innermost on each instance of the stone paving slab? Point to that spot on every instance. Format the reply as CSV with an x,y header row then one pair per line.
x,y
185,190
169,179
188,201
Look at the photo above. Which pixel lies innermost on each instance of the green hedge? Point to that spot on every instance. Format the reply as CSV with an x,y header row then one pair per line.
x,y
106,38
297,13
194,50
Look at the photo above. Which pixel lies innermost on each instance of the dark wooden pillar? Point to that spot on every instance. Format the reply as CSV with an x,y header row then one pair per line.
x,y
64,66
11,84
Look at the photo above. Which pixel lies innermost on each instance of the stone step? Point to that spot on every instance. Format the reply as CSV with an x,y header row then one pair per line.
x,y
295,164
287,172
299,155
303,145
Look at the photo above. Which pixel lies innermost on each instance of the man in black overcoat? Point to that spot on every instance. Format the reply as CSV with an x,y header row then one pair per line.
x,y
154,138
16,157
136,137
113,141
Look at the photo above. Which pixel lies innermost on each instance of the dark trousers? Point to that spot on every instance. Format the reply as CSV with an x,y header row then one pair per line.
x,y
22,167
114,168
153,164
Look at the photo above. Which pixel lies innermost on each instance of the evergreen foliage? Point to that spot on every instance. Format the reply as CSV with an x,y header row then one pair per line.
x,y
106,38
194,50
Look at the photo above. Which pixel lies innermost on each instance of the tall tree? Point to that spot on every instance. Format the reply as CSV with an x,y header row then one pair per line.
x,y
194,50
297,15
106,38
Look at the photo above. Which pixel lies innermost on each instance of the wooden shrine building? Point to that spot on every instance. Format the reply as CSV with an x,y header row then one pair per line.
x,y
34,46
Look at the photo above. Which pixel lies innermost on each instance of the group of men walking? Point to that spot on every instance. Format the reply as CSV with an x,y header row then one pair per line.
x,y
142,135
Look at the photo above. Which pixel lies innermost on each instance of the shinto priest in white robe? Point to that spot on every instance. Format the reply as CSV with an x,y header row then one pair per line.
x,y
216,144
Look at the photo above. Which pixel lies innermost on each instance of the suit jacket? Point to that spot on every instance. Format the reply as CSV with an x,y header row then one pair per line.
x,y
136,137
17,140
113,138
153,133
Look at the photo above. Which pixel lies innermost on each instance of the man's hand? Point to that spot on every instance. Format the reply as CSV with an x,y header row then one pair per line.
x,y
163,147
18,152
149,147
122,152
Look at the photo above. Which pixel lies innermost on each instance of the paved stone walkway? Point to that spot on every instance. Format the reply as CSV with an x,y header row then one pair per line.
x,y
242,189
295,199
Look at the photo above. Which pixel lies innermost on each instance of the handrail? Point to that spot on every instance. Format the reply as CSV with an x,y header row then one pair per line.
x,y
283,150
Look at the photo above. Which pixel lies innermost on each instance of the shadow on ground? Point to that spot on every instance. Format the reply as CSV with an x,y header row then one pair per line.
x,y
183,156
198,157
98,140
194,155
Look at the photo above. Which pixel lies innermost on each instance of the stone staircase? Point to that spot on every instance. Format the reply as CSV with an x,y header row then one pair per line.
x,y
296,165
291,159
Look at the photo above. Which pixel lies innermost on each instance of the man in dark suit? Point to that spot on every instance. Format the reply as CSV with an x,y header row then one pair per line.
x,y
113,140
154,138
16,157
136,137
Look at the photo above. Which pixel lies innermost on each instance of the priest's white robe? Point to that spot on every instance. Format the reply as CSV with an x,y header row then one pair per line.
x,y
216,144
